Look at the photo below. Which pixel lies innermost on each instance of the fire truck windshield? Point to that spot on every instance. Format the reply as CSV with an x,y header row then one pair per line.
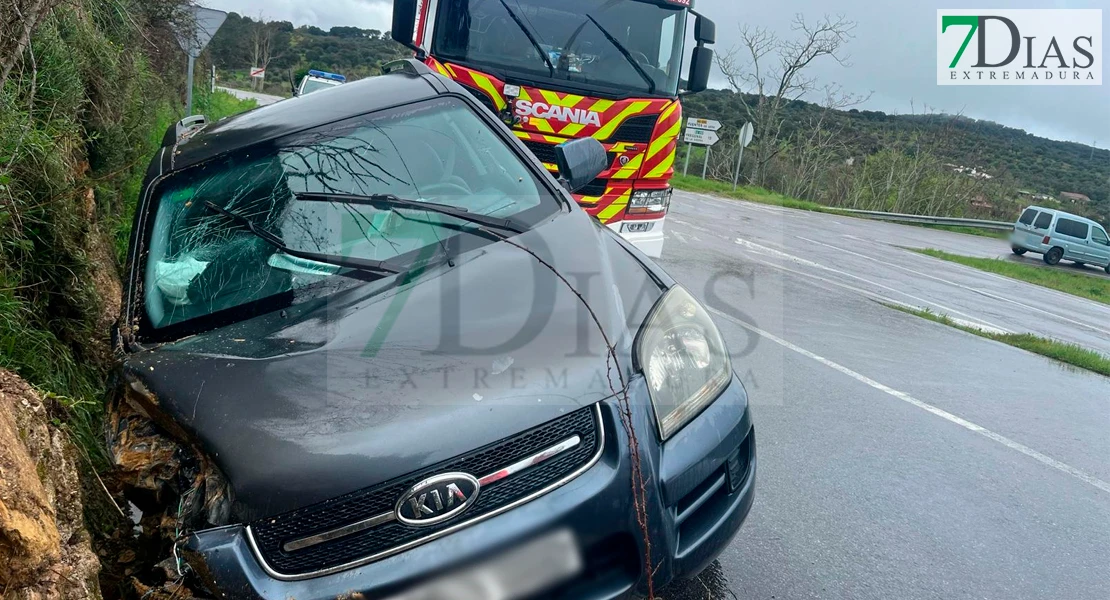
x,y
631,47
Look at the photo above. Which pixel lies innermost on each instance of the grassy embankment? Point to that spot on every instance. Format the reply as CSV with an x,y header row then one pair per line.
x,y
78,125
1077,284
1069,354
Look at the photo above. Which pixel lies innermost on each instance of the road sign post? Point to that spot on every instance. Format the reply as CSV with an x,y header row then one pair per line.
x,y
746,133
193,34
701,132
686,167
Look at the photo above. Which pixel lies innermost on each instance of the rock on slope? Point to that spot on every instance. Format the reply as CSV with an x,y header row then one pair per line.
x,y
45,551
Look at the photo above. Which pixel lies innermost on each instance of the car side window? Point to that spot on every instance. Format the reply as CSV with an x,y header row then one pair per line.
x,y
1071,228
1099,236
1028,216
1043,221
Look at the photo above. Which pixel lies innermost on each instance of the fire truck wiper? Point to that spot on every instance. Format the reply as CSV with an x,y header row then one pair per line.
x,y
531,38
624,52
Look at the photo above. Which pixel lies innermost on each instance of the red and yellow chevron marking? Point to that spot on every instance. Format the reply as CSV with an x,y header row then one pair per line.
x,y
648,165
437,66
609,206
659,160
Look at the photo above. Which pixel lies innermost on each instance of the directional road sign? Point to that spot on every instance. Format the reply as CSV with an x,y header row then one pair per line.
x,y
702,137
708,124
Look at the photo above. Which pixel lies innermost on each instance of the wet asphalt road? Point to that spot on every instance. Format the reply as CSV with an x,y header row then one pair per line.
x,y
261,99
899,458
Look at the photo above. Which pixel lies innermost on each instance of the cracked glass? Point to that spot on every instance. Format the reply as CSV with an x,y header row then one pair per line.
x,y
201,263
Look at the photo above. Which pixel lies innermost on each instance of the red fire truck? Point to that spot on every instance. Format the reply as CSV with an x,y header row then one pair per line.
x,y
555,70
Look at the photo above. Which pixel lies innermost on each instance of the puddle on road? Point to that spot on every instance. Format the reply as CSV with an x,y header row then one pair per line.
x,y
711,584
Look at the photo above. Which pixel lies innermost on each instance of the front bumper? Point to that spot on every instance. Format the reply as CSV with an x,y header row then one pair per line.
x,y
649,242
695,507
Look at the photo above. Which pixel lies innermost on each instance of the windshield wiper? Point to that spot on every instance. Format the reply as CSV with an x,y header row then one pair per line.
x,y
627,55
390,201
349,262
531,38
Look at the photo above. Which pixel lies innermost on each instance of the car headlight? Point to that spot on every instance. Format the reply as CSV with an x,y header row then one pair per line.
x,y
683,359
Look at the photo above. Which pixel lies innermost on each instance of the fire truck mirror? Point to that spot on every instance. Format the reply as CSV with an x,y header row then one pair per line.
x,y
404,22
700,63
580,161
705,31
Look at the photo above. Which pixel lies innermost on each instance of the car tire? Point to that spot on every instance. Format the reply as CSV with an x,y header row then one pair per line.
x,y
1018,251
1053,256
1108,269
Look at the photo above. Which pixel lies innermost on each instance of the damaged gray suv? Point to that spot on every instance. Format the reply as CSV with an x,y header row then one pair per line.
x,y
373,349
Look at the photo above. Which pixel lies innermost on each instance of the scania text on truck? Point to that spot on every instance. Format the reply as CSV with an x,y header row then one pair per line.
x,y
556,71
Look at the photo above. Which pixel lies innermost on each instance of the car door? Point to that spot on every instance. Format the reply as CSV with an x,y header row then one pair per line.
x,y
1023,229
1041,227
1100,247
1073,236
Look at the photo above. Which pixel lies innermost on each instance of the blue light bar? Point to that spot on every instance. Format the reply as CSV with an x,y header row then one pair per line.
x,y
326,75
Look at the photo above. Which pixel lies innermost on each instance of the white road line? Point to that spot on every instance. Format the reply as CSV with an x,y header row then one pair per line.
x,y
972,321
990,295
680,237
692,226
1005,441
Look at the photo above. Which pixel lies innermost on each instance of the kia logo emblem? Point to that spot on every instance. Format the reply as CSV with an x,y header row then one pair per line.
x,y
437,499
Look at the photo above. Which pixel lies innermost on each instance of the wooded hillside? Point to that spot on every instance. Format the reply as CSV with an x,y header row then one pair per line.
x,y
1021,160
288,52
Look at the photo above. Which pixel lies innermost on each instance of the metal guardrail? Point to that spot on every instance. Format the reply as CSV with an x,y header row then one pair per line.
x,y
931,220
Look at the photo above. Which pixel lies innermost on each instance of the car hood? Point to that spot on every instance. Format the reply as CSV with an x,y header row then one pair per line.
x,y
330,396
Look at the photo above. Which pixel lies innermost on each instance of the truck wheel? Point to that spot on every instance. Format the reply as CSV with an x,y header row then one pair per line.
x,y
1054,255
1018,251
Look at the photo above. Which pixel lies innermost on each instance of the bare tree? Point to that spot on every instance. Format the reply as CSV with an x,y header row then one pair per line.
x,y
773,69
261,48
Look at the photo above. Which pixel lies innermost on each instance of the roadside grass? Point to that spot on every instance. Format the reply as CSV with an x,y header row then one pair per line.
x,y
1084,286
1066,353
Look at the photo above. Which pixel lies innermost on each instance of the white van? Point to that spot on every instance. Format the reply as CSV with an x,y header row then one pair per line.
x,y
1058,235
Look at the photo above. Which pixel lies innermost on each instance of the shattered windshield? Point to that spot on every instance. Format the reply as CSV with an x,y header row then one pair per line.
x,y
201,263
573,34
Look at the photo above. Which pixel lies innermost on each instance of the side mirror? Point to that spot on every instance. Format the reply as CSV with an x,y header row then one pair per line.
x,y
580,161
404,22
700,63
705,31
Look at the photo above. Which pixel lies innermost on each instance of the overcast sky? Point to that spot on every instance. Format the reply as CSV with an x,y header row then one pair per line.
x,y
893,56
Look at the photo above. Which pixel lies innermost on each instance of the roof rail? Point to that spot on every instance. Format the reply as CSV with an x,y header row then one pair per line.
x,y
182,129
406,65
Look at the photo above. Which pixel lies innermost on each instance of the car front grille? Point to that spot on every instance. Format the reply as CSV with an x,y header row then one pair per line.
x,y
271,535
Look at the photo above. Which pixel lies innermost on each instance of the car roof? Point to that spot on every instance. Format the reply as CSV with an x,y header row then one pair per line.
x,y
1065,213
305,112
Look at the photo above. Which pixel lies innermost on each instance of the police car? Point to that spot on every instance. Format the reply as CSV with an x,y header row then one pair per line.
x,y
318,80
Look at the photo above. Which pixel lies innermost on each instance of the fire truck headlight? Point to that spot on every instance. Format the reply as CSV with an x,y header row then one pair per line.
x,y
649,202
